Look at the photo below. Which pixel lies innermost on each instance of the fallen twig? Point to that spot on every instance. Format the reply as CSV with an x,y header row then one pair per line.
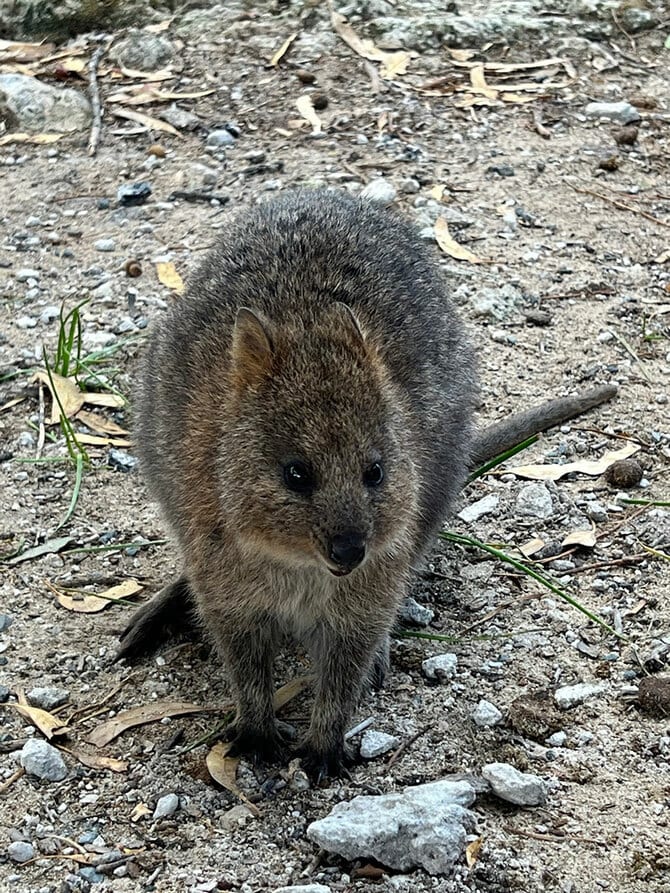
x,y
403,747
12,778
94,95
621,205
615,562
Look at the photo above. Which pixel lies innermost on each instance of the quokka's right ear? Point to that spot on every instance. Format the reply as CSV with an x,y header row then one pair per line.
x,y
252,348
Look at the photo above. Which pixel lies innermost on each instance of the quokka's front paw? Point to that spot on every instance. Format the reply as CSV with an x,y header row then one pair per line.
x,y
321,763
262,745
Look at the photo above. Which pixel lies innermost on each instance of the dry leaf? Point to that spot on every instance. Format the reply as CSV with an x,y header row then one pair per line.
x,y
585,538
479,85
139,716
101,441
437,191
70,398
50,547
15,51
13,402
92,603
36,138
100,424
662,258
472,851
452,248
278,56
516,98
395,64
158,28
223,770
105,398
290,690
96,761
593,467
169,277
48,724
163,74
146,93
140,811
461,55
145,120
306,109
392,63
532,547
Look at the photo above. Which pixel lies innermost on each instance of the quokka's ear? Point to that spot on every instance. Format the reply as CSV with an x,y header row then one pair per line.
x,y
348,319
252,348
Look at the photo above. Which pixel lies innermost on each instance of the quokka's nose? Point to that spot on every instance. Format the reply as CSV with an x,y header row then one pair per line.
x,y
347,549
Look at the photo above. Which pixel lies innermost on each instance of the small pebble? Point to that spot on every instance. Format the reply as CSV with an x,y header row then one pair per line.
x,y
166,806
521,788
104,245
4,694
621,112
626,136
20,851
379,192
441,667
558,739
131,194
534,501
40,759
216,139
25,274
486,714
26,322
412,612
571,695
6,621
48,698
410,186
121,460
478,509
374,744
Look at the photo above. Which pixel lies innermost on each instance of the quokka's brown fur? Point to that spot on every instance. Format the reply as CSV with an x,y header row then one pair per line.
x,y
315,346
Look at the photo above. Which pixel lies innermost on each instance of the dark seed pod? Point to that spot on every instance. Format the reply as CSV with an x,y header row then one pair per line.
x,y
624,474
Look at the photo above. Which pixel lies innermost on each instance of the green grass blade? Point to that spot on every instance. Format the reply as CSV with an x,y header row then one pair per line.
x,y
502,457
75,493
531,572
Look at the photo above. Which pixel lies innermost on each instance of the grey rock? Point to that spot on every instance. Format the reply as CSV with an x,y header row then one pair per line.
x,y
379,192
478,509
49,314
304,888
596,511
534,501
410,186
412,612
440,667
236,817
142,51
486,714
216,139
424,826
48,698
571,695
621,112
6,621
31,105
20,851
26,322
496,303
166,806
634,19
74,883
42,760
121,460
180,118
91,875
26,273
509,784
104,245
374,744
4,694
558,739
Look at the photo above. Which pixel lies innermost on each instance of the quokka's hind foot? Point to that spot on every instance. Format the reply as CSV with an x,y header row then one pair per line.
x,y
169,615
268,744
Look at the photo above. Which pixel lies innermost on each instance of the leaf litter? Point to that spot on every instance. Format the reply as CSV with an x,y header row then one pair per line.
x,y
82,602
592,467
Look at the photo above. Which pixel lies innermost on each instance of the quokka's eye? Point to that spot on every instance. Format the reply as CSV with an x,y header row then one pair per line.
x,y
373,475
298,477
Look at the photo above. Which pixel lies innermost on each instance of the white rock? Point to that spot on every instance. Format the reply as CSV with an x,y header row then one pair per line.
x,y
558,739
39,758
424,826
25,274
304,888
534,501
509,784
411,611
486,714
478,509
26,322
570,695
621,112
440,667
374,744
104,245
166,806
380,192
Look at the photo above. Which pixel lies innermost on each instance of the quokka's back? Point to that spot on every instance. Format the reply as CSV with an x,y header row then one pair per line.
x,y
304,421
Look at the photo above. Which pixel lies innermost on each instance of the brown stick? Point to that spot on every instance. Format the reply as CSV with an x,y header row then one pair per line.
x,y
621,205
403,747
94,94
12,778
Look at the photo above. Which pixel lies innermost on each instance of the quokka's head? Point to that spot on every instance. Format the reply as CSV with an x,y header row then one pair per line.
x,y
316,465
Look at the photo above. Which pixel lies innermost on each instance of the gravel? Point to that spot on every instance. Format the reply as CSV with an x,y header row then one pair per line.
x,y
486,714
440,668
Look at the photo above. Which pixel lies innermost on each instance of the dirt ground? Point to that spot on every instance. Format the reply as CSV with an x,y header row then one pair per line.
x,y
574,236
